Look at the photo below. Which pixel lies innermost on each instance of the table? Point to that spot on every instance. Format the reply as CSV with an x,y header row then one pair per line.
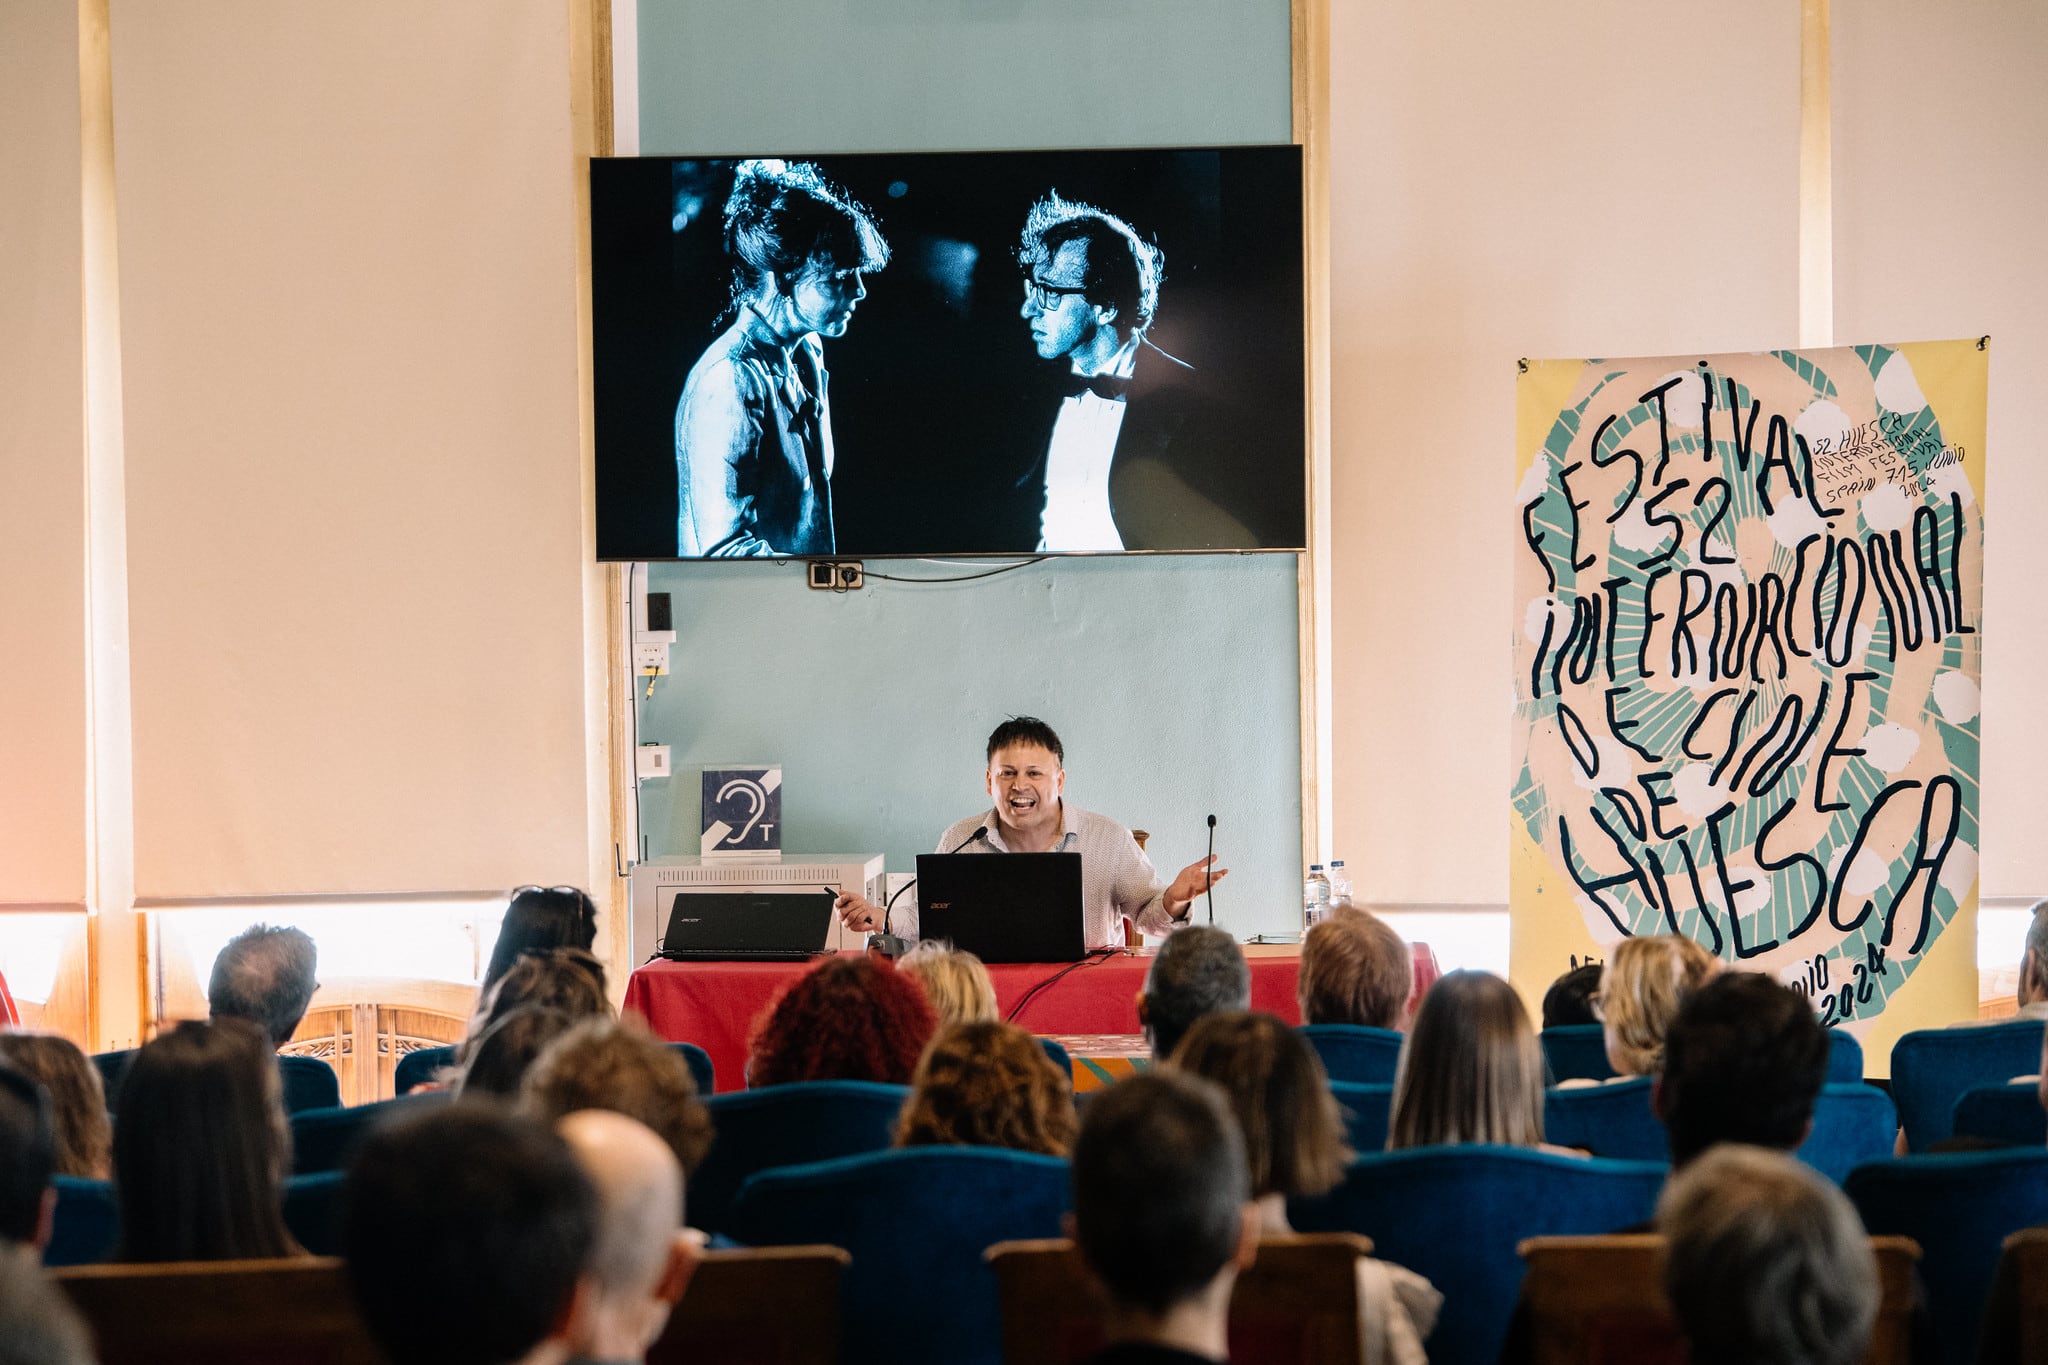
x,y
713,1004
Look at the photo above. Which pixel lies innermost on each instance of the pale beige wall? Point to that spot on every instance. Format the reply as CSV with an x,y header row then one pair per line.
x,y
1568,179
1941,222
42,454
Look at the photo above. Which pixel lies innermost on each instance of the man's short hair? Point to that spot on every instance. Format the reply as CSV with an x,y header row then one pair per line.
x,y
2037,945
1355,970
1744,1060
1025,730
1199,970
1160,1185
38,1325
1570,998
1123,270
465,1230
1768,1262
266,975
28,1155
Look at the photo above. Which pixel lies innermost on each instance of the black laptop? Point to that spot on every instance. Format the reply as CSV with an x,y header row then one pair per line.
x,y
1003,907
747,926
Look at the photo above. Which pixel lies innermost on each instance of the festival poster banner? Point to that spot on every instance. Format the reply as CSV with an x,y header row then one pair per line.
x,y
1748,597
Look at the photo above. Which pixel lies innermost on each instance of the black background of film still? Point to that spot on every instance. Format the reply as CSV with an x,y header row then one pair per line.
x,y
939,402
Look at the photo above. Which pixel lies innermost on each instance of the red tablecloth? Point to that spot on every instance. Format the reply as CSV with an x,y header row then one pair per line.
x,y
712,1004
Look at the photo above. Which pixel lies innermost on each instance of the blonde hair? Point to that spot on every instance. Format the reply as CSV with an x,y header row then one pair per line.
x,y
1354,970
955,983
1645,982
1471,1069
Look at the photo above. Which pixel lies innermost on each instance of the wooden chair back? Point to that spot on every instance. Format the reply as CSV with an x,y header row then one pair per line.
x,y
283,1312
1297,1304
1600,1301
760,1306
2026,1268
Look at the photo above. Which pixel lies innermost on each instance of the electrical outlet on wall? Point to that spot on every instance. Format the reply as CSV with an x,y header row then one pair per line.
x,y
838,575
650,656
651,760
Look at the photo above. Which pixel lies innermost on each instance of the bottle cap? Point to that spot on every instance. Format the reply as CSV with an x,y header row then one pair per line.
x,y
1315,867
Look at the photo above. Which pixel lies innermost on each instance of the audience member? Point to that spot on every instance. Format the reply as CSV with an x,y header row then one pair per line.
x,y
1198,971
988,1084
847,1019
78,1106
38,1325
1768,1262
568,979
538,918
28,1156
2032,987
201,1149
1570,998
1645,982
955,982
1471,1069
1355,970
1744,1061
467,1231
267,976
620,1066
641,1259
1163,1216
499,1061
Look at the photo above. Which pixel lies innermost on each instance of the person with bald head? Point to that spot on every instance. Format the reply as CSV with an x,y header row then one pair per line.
x,y
642,1259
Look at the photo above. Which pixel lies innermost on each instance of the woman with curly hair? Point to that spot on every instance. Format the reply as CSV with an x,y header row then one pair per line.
x,y
988,1084
1645,982
847,1019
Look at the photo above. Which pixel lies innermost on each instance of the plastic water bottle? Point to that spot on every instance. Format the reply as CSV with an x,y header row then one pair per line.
x,y
1340,883
1315,896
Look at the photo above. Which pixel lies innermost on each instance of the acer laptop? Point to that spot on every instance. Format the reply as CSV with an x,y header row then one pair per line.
x,y
1003,907
747,926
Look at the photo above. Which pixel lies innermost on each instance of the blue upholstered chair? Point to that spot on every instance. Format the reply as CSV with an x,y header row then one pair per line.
x,y
1959,1206
2008,1114
309,1083
416,1068
312,1211
916,1220
1607,1120
325,1139
1845,1057
1058,1055
1455,1215
87,1223
1367,1109
700,1066
1931,1068
1852,1124
787,1125
1576,1052
1355,1053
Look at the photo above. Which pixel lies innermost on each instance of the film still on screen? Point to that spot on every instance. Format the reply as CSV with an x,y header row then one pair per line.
x,y
997,353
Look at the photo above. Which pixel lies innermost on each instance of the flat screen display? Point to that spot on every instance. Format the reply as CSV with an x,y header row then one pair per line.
x,y
990,353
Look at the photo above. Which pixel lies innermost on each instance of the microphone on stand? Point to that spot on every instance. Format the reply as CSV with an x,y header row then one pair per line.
x,y
1210,887
888,944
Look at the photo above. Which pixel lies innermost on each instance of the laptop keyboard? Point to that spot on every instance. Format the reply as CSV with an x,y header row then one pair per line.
x,y
739,954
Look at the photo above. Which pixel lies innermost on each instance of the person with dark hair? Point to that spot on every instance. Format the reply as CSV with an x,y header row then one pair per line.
x,y
38,1325
28,1159
1163,1216
498,1064
201,1149
1027,781
1570,998
467,1231
847,1019
1744,1061
78,1103
754,427
538,918
265,975
1197,972
1355,970
566,979
1471,1069
617,1064
986,1083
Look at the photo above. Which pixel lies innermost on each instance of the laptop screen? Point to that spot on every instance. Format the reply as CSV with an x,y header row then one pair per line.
x,y
748,921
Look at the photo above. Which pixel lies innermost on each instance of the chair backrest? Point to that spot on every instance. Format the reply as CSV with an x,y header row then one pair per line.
x,y
112,1066
1367,1110
86,1225
1845,1057
1615,1119
1355,1053
223,1312
916,1220
1296,1305
1456,1214
1853,1123
417,1067
1959,1207
1058,1054
2009,1114
701,1070
312,1211
787,1125
325,1139
309,1083
1576,1052
2016,1318
1931,1068
757,1306
1602,1299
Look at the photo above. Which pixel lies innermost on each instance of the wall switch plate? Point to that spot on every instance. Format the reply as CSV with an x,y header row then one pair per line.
x,y
650,655
838,575
651,760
